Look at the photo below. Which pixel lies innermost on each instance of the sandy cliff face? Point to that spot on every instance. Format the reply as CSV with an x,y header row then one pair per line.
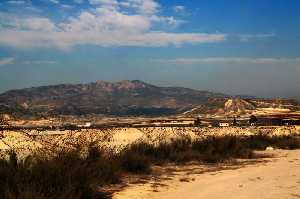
x,y
245,107
238,105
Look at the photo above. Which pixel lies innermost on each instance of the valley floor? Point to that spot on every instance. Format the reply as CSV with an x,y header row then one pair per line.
x,y
277,177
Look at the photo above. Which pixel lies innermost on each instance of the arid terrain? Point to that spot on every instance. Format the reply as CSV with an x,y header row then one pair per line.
x,y
130,139
135,98
277,177
149,99
274,173
31,140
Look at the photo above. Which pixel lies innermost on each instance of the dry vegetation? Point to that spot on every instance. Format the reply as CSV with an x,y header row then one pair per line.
x,y
77,165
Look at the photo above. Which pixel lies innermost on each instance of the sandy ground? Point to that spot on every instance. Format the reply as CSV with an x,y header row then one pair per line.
x,y
277,178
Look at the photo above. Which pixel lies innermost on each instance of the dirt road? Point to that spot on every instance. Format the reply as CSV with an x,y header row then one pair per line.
x,y
278,178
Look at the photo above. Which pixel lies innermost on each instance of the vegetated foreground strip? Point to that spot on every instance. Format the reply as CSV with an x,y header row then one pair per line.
x,y
81,170
26,142
279,178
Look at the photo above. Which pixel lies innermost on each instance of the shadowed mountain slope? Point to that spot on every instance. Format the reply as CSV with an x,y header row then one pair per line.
x,y
129,98
120,98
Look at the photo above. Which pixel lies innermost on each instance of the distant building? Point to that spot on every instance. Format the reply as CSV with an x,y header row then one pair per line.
x,y
224,124
88,124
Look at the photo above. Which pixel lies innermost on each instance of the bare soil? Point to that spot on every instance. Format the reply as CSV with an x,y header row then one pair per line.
x,y
276,177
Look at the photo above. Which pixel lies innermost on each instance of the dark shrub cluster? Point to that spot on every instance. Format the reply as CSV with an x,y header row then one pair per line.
x,y
216,149
66,175
261,141
211,149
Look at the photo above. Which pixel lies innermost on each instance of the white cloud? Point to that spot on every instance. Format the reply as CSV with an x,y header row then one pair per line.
x,y
249,37
65,40
95,2
39,62
108,4
5,61
78,1
179,9
54,1
32,9
16,2
171,21
106,25
144,7
36,24
66,6
229,60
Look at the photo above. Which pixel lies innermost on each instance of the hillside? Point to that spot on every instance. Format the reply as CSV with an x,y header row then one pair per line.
x,y
132,98
120,98
246,107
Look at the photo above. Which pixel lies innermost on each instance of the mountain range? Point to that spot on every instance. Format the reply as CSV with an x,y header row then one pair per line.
x,y
124,98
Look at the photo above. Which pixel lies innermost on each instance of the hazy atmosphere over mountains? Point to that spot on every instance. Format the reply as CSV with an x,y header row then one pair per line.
x,y
243,47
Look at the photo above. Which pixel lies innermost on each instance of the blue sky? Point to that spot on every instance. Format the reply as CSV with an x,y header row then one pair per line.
x,y
235,47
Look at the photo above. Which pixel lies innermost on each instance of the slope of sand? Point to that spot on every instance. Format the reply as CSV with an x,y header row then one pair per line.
x,y
118,138
278,178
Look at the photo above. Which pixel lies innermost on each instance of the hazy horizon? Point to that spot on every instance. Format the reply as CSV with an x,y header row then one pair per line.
x,y
248,47
156,84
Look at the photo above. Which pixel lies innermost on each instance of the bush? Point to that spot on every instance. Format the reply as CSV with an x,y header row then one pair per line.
x,y
135,162
66,175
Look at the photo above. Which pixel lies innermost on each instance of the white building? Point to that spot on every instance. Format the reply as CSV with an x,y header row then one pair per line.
x,y
224,124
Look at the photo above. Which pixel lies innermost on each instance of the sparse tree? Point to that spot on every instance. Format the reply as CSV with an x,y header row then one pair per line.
x,y
197,122
234,122
253,119
2,123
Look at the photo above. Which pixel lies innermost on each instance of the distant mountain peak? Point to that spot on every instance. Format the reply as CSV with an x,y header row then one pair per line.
x,y
122,85
126,97
132,84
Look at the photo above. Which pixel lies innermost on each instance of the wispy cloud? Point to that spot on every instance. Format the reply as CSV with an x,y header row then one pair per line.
x,y
249,37
19,2
33,62
78,1
6,61
54,1
106,25
66,6
228,60
32,9
179,9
